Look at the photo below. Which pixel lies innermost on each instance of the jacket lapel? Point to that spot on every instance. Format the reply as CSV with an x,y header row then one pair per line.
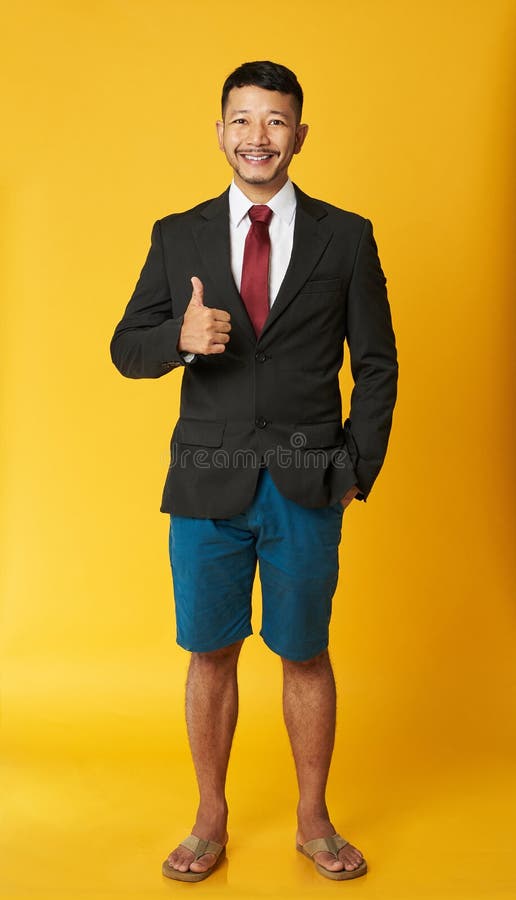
x,y
311,237
211,232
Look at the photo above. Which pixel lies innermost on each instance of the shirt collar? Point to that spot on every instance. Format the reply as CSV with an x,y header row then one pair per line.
x,y
283,204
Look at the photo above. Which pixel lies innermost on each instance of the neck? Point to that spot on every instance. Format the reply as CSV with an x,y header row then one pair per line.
x,y
259,193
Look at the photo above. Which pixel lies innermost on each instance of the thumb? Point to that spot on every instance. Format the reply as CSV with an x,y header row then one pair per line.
x,y
197,298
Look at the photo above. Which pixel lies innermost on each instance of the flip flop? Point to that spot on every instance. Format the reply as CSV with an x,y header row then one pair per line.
x,y
331,844
199,848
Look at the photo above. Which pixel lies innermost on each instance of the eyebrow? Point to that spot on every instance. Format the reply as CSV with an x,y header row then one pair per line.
x,y
270,112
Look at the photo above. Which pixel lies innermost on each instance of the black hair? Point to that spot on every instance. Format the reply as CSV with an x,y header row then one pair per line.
x,y
265,74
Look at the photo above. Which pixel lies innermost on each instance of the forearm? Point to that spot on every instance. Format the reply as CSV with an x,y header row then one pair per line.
x,y
374,363
145,343
147,352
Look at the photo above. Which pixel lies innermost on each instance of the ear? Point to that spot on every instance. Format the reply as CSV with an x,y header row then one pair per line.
x,y
220,133
301,133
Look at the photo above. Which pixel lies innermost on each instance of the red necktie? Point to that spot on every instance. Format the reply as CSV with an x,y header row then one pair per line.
x,y
254,287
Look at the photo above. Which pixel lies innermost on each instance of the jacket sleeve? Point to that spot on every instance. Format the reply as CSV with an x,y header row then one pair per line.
x,y
374,364
144,344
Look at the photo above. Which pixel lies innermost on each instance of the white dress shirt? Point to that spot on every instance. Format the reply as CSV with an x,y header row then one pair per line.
x,y
281,232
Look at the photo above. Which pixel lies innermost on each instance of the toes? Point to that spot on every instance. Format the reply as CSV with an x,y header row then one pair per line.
x,y
182,865
348,859
180,860
351,858
349,866
204,862
329,862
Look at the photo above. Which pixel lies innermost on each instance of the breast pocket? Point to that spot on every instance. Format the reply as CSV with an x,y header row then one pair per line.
x,y
322,286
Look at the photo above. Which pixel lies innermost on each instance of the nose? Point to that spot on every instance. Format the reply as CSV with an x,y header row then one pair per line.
x,y
257,134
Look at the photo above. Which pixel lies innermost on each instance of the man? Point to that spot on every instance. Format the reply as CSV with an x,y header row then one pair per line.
x,y
254,294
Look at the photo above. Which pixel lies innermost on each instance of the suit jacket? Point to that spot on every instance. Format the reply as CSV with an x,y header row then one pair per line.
x,y
274,400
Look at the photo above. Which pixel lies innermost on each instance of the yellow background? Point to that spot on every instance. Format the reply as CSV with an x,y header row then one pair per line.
x,y
108,114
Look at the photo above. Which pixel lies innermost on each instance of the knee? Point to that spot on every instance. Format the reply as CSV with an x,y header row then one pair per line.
x,y
315,663
222,658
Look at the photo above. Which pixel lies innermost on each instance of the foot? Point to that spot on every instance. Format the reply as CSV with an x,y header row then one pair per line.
x,y
208,827
349,857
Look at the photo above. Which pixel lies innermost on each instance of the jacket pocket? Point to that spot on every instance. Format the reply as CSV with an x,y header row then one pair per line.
x,y
323,286
317,434
201,432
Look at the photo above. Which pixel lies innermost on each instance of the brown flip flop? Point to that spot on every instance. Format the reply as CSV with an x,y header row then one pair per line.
x,y
199,848
331,844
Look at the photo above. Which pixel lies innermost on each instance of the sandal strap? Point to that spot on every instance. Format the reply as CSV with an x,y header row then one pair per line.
x,y
200,847
331,844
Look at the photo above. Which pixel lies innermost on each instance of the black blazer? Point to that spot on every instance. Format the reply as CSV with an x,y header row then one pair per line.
x,y
276,400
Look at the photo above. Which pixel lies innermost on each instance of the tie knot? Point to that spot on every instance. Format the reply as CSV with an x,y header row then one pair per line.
x,y
260,214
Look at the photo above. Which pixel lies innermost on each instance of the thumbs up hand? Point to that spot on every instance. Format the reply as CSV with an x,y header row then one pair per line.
x,y
204,330
197,298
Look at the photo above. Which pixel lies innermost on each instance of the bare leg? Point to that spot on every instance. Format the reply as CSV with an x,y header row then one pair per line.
x,y
211,717
309,706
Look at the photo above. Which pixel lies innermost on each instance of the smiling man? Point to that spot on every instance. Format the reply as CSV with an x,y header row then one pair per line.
x,y
254,295
258,140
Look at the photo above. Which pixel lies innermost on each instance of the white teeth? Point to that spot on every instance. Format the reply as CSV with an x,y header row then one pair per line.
x,y
257,158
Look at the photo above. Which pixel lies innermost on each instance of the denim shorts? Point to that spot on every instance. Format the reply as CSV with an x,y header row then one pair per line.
x,y
214,562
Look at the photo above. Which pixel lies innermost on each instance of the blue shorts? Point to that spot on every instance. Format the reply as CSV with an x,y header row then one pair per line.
x,y
214,563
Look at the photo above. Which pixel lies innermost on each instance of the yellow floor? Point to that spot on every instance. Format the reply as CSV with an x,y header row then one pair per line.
x,y
97,822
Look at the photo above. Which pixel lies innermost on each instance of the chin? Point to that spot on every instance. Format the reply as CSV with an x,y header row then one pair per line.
x,y
257,177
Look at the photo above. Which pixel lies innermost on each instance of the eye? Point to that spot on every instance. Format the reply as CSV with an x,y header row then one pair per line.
x,y
277,122
238,122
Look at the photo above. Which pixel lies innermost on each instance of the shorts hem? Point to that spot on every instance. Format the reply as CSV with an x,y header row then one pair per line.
x,y
294,657
208,648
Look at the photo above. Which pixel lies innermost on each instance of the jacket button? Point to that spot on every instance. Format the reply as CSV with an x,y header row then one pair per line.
x,y
261,422
260,357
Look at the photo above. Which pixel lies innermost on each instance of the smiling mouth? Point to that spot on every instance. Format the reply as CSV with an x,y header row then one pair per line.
x,y
257,158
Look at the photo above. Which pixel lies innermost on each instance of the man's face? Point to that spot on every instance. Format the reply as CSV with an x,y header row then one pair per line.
x,y
260,135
